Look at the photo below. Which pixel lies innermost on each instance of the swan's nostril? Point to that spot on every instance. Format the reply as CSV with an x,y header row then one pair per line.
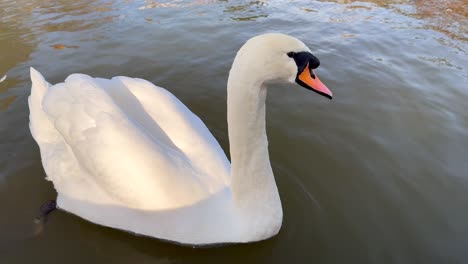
x,y
312,74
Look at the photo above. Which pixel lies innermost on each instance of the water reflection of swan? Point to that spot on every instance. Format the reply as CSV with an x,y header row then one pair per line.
x,y
126,154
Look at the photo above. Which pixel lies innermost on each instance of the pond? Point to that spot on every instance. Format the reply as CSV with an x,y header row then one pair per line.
x,y
377,175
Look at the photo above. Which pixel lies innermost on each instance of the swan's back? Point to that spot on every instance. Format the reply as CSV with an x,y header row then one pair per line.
x,y
124,142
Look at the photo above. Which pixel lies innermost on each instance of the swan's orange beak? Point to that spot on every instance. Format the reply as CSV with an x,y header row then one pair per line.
x,y
313,83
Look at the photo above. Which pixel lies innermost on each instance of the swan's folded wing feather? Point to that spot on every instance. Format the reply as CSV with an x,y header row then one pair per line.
x,y
184,129
132,165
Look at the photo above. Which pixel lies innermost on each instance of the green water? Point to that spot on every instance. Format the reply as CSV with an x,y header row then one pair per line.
x,y
377,175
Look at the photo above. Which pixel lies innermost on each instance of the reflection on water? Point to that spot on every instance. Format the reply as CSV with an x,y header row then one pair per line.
x,y
446,16
5,102
378,175
62,46
247,11
174,3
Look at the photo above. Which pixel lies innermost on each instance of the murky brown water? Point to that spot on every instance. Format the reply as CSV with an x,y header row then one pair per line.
x,y
378,175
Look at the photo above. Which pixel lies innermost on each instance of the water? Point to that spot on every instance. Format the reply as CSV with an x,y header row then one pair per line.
x,y
377,175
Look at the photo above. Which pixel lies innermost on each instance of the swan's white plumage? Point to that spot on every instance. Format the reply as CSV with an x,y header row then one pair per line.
x,y
133,137
127,154
105,146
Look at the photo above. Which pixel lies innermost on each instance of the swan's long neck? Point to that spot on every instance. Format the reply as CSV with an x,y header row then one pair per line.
x,y
253,184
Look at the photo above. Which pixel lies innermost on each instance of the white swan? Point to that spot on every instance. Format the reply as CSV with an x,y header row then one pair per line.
x,y
127,154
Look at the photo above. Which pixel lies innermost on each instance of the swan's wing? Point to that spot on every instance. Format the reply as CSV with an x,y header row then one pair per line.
x,y
120,146
184,128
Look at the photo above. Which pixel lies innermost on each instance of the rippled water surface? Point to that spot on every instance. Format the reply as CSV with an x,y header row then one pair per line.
x,y
377,175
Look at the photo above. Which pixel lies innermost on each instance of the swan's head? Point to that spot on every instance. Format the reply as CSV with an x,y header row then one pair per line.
x,y
276,56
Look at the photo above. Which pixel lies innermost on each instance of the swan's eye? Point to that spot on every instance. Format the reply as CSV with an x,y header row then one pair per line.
x,y
291,54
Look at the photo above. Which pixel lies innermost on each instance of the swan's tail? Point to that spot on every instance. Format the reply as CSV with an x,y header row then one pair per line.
x,y
41,128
